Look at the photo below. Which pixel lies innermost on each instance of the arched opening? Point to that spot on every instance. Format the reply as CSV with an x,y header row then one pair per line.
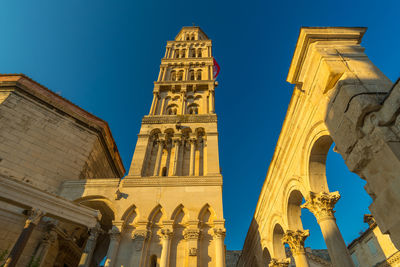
x,y
153,261
193,109
199,75
266,257
193,52
183,53
191,75
206,245
176,53
164,171
279,248
317,164
199,52
294,210
178,244
173,75
180,75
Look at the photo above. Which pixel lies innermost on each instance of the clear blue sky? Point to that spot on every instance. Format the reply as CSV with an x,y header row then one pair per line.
x,y
105,55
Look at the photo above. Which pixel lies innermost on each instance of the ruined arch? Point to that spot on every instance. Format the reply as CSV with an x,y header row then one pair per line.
x,y
278,247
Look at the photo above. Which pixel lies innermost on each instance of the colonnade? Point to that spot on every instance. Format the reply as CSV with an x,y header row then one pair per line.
x,y
321,205
141,236
175,145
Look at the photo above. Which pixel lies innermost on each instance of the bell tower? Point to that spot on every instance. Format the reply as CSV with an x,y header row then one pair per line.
x,y
175,166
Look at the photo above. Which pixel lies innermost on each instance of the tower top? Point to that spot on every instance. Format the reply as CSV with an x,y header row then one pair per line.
x,y
190,33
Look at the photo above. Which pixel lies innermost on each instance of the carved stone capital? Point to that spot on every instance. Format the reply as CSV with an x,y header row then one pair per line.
x,y
322,204
34,216
165,234
50,236
140,234
295,239
191,234
219,233
95,232
279,263
114,233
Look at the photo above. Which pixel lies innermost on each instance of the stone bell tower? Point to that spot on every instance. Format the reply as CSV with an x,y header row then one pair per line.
x,y
175,169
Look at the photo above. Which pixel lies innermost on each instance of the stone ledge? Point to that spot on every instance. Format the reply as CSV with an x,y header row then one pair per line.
x,y
172,181
98,182
159,119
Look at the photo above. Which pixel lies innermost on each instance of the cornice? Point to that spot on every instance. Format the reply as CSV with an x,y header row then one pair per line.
x,y
171,181
161,119
186,59
100,182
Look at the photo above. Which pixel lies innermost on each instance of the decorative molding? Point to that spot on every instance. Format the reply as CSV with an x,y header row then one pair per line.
x,y
165,234
219,233
191,234
171,181
173,119
322,204
279,263
87,183
295,240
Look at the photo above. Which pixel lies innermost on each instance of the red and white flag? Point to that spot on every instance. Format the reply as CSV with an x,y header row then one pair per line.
x,y
216,68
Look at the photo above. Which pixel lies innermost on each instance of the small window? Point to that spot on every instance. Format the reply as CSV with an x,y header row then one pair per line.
x,y
164,171
193,53
153,261
173,75
199,75
191,75
199,52
183,52
180,75
176,53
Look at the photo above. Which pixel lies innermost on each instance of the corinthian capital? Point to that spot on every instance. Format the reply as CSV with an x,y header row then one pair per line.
x,y
191,234
219,232
295,239
322,204
165,233
279,263
34,216
140,234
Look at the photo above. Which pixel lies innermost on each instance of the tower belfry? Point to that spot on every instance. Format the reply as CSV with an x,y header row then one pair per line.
x,y
174,180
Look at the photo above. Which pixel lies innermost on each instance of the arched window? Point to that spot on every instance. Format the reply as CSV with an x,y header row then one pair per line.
x,y
191,75
193,109
193,52
164,171
173,75
198,76
172,110
183,52
176,53
187,37
180,75
153,261
193,37
199,52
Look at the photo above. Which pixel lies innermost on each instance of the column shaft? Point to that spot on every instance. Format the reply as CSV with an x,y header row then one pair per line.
x,y
158,159
166,236
89,247
112,248
31,222
219,236
176,156
192,157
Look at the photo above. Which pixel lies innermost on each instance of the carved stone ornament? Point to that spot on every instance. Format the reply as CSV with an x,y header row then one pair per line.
x,y
191,234
114,233
219,232
140,235
34,216
295,239
165,234
95,231
279,263
192,251
322,204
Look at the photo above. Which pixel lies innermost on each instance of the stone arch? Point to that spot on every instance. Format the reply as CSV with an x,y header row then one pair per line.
x,y
178,245
130,216
278,247
293,197
206,214
266,256
108,212
157,214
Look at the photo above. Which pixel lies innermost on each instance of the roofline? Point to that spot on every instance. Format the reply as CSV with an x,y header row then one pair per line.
x,y
38,90
193,27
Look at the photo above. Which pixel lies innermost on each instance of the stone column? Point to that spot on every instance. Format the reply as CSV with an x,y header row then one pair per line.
x,y
164,74
295,240
115,236
162,106
321,205
166,236
192,236
211,101
48,239
279,263
35,215
153,103
192,141
177,141
139,236
219,236
90,246
160,143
